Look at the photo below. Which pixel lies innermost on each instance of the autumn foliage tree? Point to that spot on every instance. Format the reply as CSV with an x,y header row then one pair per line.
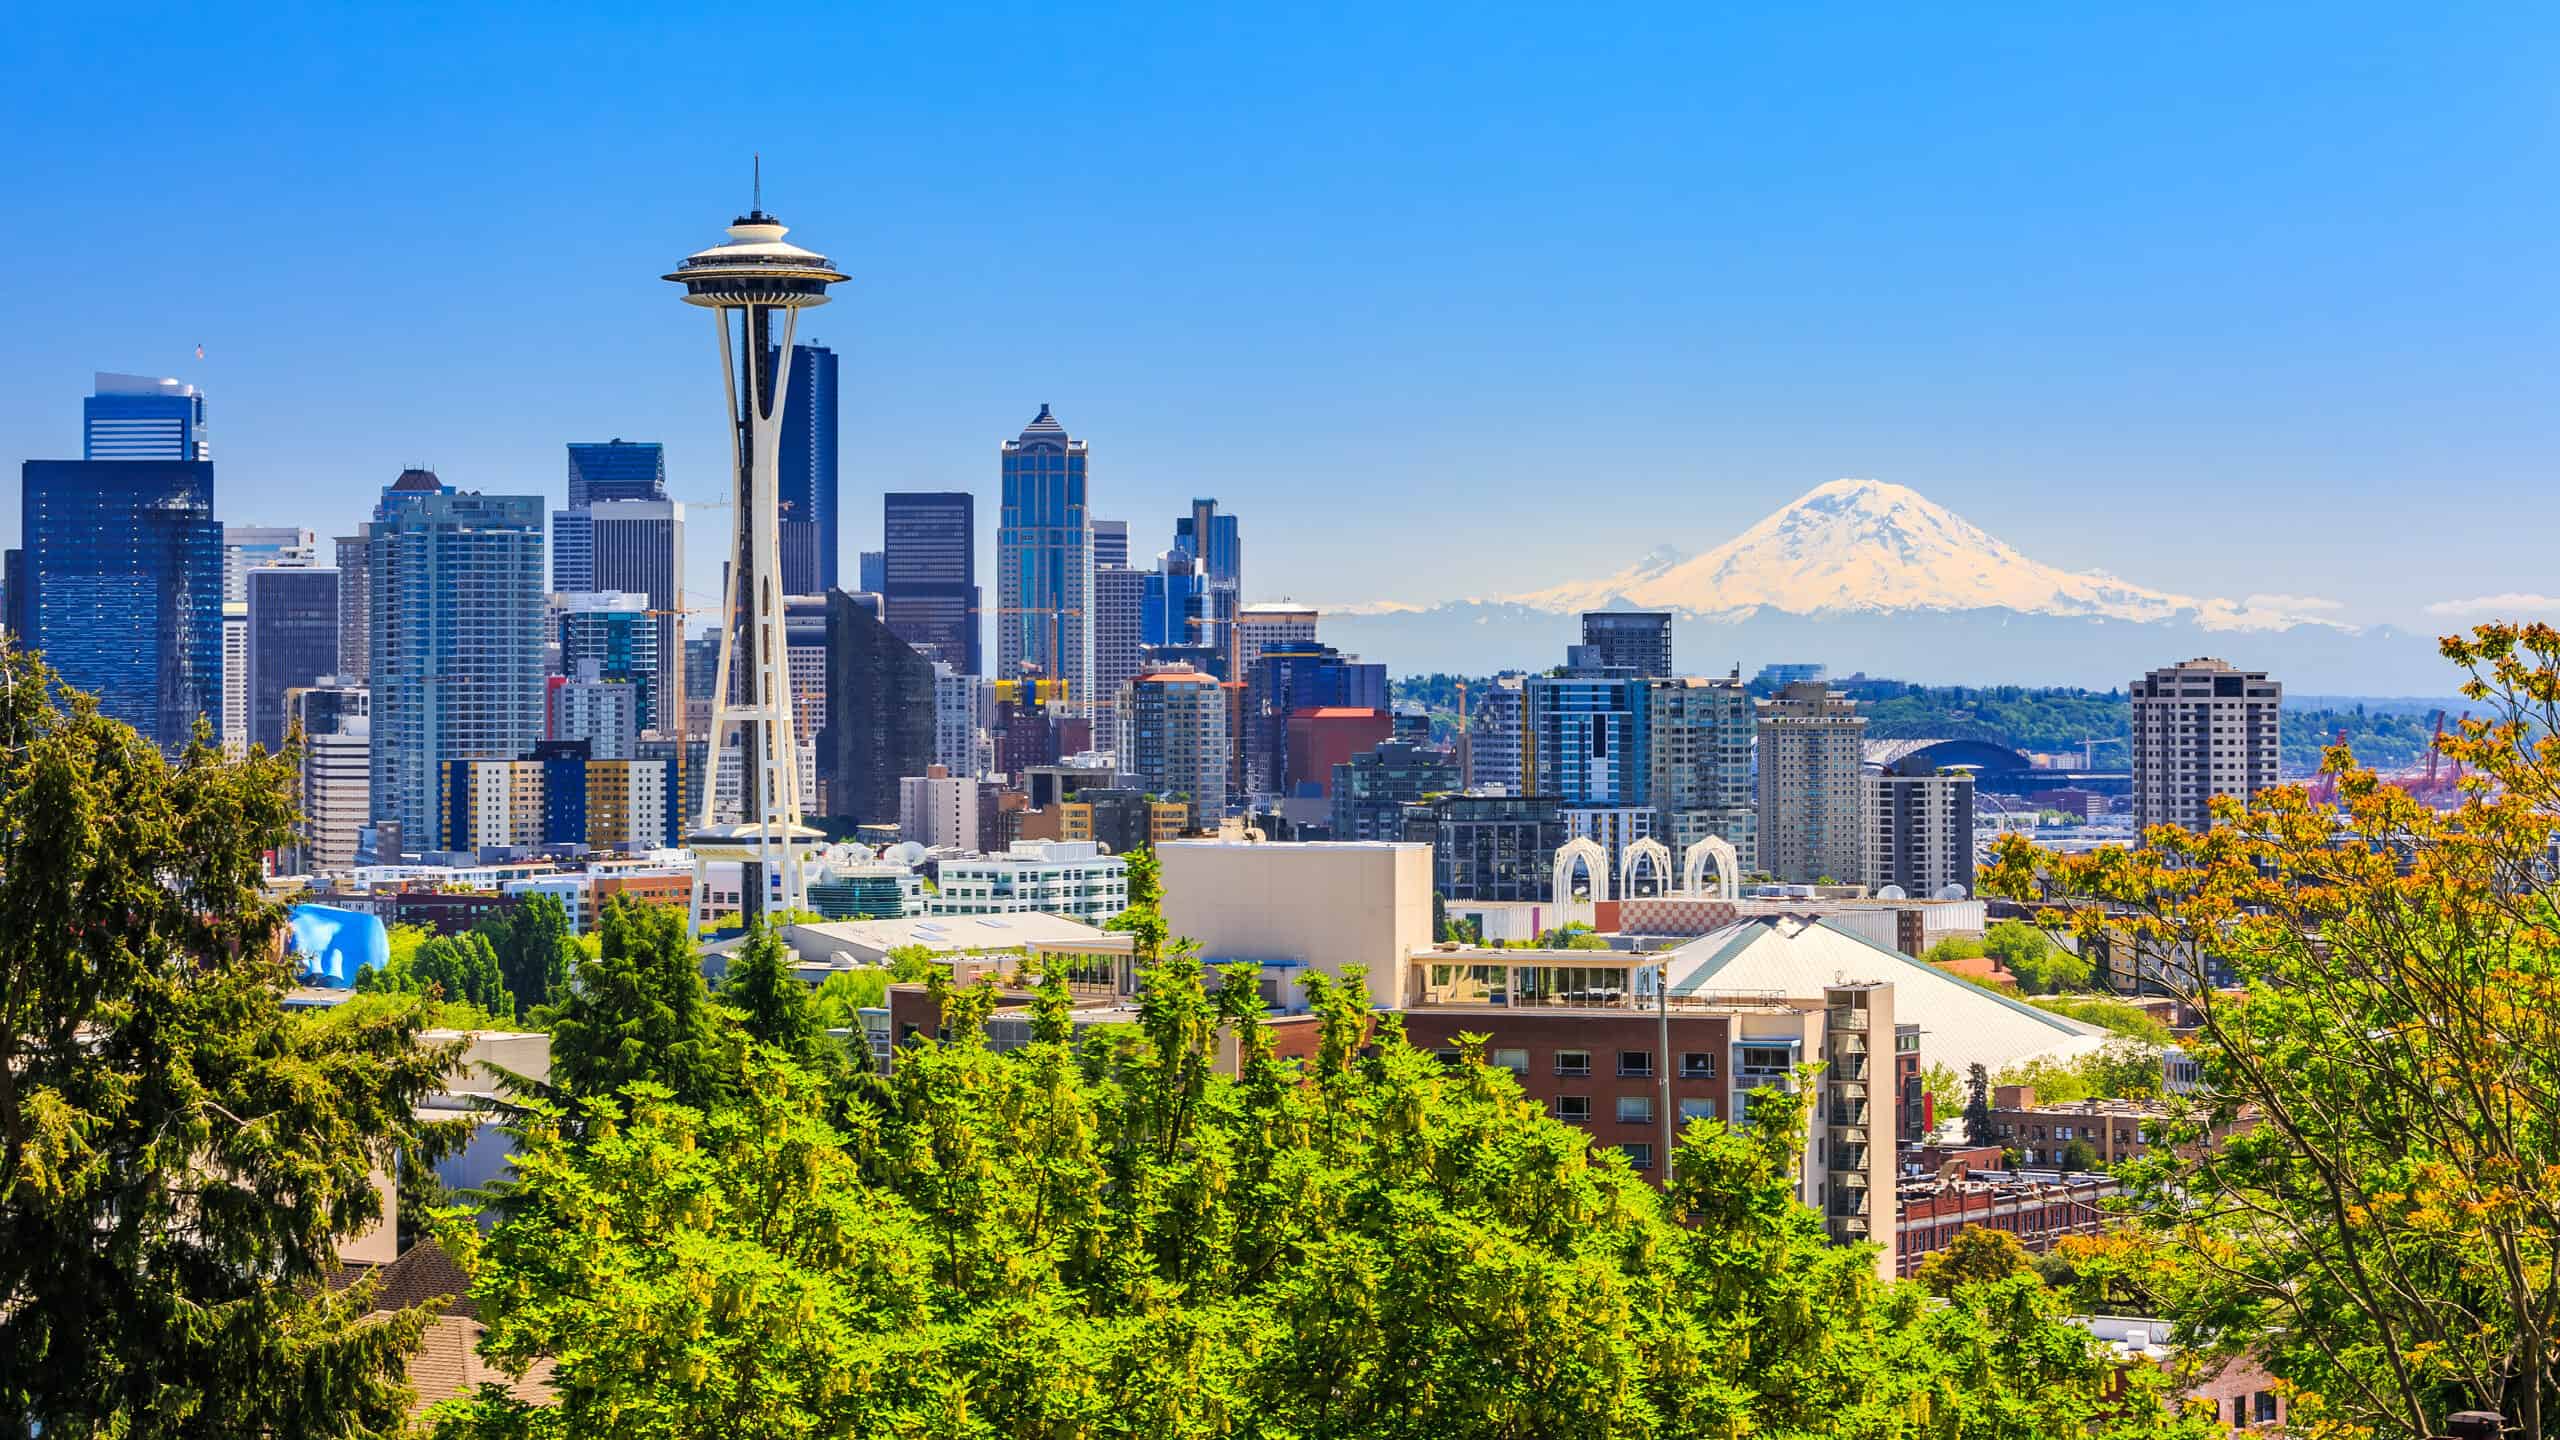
x,y
2387,1226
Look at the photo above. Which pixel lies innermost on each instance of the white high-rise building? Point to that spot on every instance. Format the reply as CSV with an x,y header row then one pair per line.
x,y
337,768
2199,730
959,740
939,810
604,713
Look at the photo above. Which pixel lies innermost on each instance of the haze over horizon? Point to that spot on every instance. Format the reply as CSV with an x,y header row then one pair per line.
x,y
1441,303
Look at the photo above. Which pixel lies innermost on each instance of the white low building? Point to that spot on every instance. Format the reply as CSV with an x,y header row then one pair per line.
x,y
1074,878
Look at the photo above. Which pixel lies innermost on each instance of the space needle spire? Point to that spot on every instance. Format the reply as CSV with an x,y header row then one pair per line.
x,y
755,284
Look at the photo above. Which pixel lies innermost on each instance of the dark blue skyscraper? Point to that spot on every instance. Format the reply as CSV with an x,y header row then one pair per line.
x,y
929,573
134,417
123,579
616,470
806,481
293,641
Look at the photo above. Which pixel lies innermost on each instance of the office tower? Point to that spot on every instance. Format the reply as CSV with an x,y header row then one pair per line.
x,y
1700,734
1268,625
807,473
942,811
1044,561
874,571
13,594
1585,737
1174,610
134,417
611,637
599,713
929,573
1639,640
1494,735
355,605
246,548
881,708
1489,847
1919,828
1218,560
2199,730
1284,681
1173,738
123,587
618,469
1812,790
753,280
1110,543
1372,789
804,627
1026,731
334,716
457,644
701,670
959,739
1119,608
293,642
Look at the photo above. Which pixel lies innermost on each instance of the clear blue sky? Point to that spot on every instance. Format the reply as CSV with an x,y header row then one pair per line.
x,y
1442,301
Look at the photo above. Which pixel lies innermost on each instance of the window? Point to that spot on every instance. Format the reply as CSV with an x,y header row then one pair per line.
x,y
1779,1058
1445,1057
1573,1062
1697,1065
1635,1062
1696,1110
1515,1061
1635,1109
2262,1407
1639,1157
1575,1109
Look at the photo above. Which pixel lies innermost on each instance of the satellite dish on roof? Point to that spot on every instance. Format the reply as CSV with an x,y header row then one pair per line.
x,y
1952,892
907,852
1893,892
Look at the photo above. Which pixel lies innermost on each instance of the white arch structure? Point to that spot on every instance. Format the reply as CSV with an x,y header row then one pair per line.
x,y
1693,868
1647,851
1596,861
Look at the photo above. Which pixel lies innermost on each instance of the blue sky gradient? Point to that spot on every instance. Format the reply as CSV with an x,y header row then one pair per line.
x,y
1444,301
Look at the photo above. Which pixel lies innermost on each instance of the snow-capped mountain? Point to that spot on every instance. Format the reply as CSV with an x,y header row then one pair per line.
x,y
1867,575
1869,546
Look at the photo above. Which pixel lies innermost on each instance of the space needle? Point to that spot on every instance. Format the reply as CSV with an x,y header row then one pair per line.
x,y
753,284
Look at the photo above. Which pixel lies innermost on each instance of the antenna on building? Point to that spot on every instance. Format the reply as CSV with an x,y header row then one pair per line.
x,y
759,190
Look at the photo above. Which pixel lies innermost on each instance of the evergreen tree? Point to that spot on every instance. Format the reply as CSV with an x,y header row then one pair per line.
x,y
770,1002
640,1011
179,1154
535,950
1978,1124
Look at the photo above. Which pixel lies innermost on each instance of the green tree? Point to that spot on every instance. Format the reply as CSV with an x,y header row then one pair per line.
x,y
2078,1156
1978,1124
1977,1254
1955,947
2386,1227
910,964
771,1003
2041,966
179,1154
841,998
640,1011
1946,1090
534,948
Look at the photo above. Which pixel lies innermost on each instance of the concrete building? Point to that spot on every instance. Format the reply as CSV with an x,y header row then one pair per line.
x,y
2200,730
613,636
1370,790
1048,877
604,714
1488,849
1324,738
1812,789
1919,829
940,810
1174,738
246,548
1638,640
1271,625
1323,906
959,730
1119,640
355,606
337,769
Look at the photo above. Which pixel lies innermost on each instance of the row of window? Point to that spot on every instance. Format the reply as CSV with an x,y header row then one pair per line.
x,y
1632,1109
1575,1064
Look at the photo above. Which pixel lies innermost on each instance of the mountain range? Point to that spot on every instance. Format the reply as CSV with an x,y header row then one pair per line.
x,y
1868,575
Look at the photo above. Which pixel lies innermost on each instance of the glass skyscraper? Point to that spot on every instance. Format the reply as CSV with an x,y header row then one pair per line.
x,y
457,609
293,641
807,474
1044,556
617,469
134,417
929,574
123,587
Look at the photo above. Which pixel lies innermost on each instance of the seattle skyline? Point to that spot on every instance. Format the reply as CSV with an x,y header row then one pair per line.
x,y
2090,285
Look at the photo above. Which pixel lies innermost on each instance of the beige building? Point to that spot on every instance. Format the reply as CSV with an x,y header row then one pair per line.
x,y
1270,625
1174,740
2199,730
1812,785
1323,905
